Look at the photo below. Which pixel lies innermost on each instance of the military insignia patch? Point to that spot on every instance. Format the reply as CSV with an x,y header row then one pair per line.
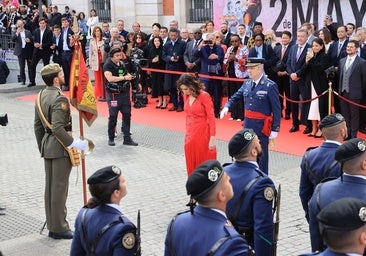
x,y
128,241
64,105
269,193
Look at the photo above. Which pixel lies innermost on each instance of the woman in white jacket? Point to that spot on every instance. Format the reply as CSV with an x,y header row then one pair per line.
x,y
92,21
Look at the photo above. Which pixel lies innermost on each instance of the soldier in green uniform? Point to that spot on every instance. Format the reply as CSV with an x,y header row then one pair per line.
x,y
54,108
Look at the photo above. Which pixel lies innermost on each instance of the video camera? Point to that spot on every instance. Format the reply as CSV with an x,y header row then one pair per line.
x,y
4,120
138,60
137,57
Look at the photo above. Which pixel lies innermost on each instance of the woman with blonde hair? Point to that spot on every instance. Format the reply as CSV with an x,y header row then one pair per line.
x,y
96,61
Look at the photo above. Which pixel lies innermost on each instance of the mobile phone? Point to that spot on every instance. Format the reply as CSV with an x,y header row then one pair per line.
x,y
310,50
207,41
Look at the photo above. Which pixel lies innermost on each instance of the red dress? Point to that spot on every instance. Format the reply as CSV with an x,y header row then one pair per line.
x,y
200,126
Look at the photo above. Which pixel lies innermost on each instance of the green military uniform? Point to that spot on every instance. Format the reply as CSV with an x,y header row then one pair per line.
x,y
56,109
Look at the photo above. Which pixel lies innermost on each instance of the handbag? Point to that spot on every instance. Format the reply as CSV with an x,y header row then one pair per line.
x,y
74,154
279,66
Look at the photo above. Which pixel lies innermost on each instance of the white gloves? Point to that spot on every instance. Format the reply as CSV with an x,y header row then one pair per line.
x,y
223,112
79,144
273,135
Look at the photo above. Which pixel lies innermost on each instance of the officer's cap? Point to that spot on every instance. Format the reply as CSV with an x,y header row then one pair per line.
x,y
350,149
50,69
240,141
345,214
258,23
331,120
204,178
251,62
105,175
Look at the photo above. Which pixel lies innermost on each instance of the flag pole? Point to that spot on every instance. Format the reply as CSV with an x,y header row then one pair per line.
x,y
83,173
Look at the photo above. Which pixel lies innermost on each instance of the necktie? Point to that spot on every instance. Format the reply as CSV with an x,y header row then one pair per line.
x,y
253,86
283,52
298,52
339,49
195,44
348,63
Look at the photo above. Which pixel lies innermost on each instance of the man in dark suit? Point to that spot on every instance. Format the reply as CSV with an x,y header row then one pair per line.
x,y
227,34
56,46
295,62
23,49
337,51
352,82
191,60
42,39
283,80
67,50
173,52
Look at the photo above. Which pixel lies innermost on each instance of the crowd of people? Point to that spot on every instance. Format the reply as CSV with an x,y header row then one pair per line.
x,y
235,200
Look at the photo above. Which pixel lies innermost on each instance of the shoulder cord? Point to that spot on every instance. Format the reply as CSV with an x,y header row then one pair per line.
x,y
241,199
91,248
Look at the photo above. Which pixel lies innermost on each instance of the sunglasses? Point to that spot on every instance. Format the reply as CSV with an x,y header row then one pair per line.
x,y
197,33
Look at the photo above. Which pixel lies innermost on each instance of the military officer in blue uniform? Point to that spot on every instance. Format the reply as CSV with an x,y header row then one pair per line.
x,y
318,163
262,106
100,227
343,227
250,210
205,229
352,183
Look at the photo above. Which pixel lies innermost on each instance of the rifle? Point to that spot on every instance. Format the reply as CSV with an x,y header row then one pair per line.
x,y
138,234
276,224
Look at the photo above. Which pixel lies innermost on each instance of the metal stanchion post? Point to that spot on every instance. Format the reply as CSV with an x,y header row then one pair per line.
x,y
330,97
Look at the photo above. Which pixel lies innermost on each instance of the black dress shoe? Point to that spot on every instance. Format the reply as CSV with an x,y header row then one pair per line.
x,y
362,130
23,83
287,117
62,235
307,130
130,142
294,129
111,143
31,84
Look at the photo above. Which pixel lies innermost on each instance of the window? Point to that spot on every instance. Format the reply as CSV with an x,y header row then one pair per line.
x,y
201,11
103,8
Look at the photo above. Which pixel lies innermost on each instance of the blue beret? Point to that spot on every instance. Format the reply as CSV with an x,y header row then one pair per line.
x,y
350,149
105,175
204,178
345,214
240,141
331,120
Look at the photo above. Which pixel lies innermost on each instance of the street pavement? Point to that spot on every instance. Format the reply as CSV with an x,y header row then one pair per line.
x,y
154,171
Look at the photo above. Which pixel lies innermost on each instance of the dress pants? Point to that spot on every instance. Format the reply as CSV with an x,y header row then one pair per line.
x,y
40,54
56,191
352,115
66,65
22,61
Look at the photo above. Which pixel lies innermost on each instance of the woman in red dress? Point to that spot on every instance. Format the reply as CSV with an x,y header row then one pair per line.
x,y
199,143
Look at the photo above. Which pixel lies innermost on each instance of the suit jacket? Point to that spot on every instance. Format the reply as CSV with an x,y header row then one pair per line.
x,y
270,59
27,51
190,56
204,53
328,192
69,32
278,52
357,77
333,52
294,65
226,40
168,51
197,225
111,243
58,50
46,40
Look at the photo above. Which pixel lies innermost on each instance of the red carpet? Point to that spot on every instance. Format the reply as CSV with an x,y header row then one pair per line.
x,y
291,143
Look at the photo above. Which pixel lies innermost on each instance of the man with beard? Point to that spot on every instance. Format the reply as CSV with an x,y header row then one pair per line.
x,y
252,213
227,34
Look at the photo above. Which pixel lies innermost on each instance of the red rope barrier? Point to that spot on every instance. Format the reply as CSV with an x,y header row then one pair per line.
x,y
349,101
305,101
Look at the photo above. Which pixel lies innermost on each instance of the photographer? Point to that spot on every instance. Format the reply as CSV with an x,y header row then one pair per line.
x,y
118,86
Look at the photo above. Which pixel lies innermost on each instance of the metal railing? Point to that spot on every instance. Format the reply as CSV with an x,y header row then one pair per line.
x,y
5,42
200,11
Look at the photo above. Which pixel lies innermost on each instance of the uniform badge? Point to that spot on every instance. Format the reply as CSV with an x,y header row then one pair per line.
x,y
362,214
269,193
213,174
128,241
361,146
64,105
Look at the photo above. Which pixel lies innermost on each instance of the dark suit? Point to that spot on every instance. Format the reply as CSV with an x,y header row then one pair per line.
x,y
38,53
170,79
227,39
270,59
57,52
334,57
190,56
66,54
24,54
297,88
283,82
357,84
